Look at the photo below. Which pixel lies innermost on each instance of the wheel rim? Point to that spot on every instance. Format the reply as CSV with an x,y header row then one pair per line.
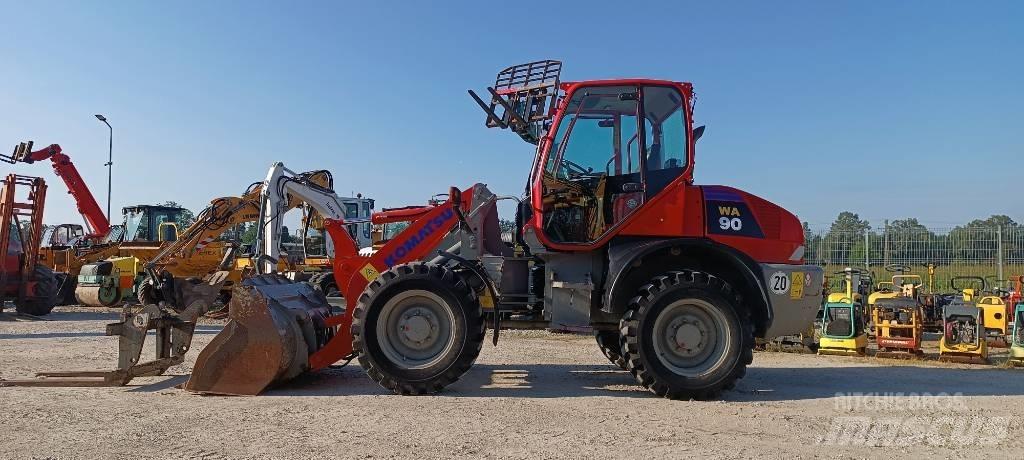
x,y
691,337
415,329
108,295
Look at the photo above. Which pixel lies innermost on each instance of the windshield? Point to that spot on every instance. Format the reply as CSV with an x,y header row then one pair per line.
x,y
351,210
838,322
315,242
136,225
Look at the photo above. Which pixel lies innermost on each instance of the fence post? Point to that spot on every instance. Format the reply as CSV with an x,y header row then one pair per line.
x,y
867,250
999,252
885,245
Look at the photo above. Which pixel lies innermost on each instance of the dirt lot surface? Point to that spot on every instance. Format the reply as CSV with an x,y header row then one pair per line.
x,y
536,395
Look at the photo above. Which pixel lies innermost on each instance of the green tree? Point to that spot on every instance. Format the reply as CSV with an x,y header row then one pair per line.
x,y
910,242
977,240
849,223
844,240
506,225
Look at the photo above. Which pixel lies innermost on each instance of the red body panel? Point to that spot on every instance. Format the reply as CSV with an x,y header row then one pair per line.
x,y
898,342
353,272
679,210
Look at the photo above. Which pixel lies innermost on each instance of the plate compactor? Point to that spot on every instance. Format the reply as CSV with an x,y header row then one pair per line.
x,y
842,319
963,326
898,327
1017,344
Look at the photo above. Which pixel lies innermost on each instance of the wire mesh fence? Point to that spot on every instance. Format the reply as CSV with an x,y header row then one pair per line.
x,y
995,254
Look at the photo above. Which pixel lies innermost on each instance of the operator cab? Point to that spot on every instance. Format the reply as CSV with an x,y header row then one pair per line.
x,y
62,236
607,147
605,161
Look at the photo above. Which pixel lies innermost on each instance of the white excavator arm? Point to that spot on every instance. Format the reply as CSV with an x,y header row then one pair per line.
x,y
279,189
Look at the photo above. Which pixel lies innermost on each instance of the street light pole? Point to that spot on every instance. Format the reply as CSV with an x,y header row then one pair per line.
x,y
110,161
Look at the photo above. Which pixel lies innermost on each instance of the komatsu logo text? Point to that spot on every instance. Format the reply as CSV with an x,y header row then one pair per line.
x,y
435,224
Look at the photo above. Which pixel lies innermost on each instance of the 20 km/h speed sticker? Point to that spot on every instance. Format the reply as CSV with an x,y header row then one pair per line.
x,y
779,283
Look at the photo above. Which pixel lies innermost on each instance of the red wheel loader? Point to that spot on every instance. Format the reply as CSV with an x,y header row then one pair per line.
x,y
615,239
675,279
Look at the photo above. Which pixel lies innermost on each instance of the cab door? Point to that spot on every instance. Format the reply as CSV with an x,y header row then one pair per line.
x,y
594,159
602,166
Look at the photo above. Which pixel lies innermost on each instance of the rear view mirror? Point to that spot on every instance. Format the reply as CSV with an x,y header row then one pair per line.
x,y
698,132
606,123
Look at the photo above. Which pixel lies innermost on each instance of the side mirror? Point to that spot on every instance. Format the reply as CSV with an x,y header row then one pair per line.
x,y
698,132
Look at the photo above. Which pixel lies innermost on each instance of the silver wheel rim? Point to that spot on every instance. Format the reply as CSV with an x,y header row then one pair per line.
x,y
691,337
415,329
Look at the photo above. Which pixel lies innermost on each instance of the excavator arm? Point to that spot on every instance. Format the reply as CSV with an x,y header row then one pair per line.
x,y
222,214
285,190
97,222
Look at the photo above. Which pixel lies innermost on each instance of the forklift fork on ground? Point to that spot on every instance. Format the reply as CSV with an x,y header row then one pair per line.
x,y
173,329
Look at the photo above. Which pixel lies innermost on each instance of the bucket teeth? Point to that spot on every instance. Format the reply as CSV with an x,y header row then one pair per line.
x,y
274,325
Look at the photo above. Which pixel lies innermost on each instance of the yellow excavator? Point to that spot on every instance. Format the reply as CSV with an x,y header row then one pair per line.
x,y
200,250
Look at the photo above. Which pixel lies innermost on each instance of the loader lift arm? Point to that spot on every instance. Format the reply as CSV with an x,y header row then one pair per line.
x,y
97,222
267,312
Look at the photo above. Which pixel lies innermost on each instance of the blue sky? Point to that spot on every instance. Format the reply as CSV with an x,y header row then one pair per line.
x,y
888,109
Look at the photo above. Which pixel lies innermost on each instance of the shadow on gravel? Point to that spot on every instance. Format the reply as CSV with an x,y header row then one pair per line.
x,y
200,330
483,380
760,384
786,384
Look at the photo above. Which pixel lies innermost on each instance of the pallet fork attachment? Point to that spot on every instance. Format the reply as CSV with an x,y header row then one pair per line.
x,y
174,330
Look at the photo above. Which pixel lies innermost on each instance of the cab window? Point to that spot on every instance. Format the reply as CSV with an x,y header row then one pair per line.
x,y
664,136
593,172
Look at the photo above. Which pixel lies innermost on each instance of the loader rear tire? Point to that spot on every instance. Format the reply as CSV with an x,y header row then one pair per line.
x,y
687,336
417,328
44,296
325,283
611,347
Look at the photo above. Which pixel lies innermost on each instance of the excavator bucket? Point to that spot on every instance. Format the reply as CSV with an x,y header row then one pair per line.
x,y
274,325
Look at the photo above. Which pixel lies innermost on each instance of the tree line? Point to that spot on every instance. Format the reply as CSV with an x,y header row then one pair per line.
x,y
850,240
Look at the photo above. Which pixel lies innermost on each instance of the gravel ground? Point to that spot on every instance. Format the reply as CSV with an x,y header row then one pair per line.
x,y
536,395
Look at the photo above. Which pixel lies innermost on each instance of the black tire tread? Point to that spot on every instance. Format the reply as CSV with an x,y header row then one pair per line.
x,y
39,305
476,329
610,344
629,328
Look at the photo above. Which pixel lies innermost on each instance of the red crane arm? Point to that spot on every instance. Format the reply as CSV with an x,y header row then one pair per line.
x,y
95,220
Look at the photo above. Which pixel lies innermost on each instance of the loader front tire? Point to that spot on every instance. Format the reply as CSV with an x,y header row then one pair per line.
x,y
686,336
417,328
